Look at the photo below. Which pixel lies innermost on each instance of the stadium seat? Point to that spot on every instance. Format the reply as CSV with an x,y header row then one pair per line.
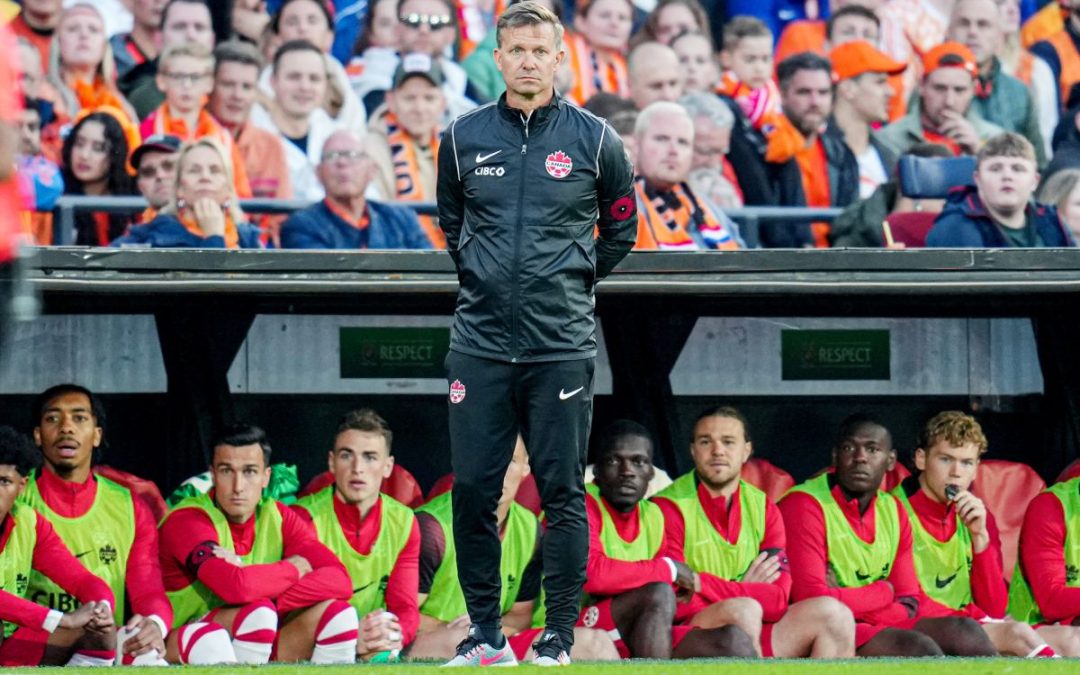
x,y
767,477
911,227
401,485
933,177
1069,472
527,495
1007,488
145,490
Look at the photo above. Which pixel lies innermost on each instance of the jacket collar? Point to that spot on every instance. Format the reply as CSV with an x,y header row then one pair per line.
x,y
539,116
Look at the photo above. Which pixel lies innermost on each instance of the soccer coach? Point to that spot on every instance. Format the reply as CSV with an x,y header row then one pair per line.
x,y
523,185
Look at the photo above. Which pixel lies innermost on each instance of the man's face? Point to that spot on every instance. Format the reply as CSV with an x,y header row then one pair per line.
x,y
345,169
666,149
807,100
11,486
240,475
360,461
943,465
188,22
1006,184
418,105
148,12
186,81
697,62
235,87
711,144
851,27
515,473
29,132
719,449
946,90
751,60
68,432
431,33
157,177
658,79
305,20
977,25
528,57
300,82
862,459
624,472
870,94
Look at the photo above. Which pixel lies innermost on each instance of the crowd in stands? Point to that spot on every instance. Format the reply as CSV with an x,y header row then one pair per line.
x,y
817,115
732,558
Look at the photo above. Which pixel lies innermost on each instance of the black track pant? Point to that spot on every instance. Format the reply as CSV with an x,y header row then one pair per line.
x,y
551,405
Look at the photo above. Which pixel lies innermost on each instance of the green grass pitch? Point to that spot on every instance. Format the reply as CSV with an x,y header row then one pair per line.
x,y
949,666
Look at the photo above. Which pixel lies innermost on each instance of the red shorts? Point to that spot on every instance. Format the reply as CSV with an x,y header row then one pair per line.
x,y
25,647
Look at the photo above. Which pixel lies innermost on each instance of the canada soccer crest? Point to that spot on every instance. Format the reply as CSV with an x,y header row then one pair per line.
x,y
558,164
457,391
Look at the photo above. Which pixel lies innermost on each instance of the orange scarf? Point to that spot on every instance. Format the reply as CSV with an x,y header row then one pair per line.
x,y
785,141
407,184
232,235
96,94
665,219
595,70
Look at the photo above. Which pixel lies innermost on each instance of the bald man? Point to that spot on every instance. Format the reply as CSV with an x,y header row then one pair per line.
x,y
655,74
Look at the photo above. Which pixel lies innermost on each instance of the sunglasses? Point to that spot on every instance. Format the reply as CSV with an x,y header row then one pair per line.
x,y
432,21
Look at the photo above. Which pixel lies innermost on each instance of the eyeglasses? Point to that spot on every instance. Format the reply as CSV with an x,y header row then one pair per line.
x,y
189,78
432,21
151,172
348,156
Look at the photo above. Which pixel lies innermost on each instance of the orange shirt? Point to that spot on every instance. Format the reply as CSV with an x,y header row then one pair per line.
x,y
42,42
1043,24
263,158
814,167
934,137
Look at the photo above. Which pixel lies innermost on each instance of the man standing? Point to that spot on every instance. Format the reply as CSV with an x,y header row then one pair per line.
x,y
521,186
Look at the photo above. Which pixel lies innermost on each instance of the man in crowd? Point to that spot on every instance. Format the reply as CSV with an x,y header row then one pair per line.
x,y
850,541
375,536
111,532
141,44
955,543
241,560
944,114
345,218
40,180
155,172
670,215
742,573
1062,52
654,73
711,174
863,93
36,22
29,545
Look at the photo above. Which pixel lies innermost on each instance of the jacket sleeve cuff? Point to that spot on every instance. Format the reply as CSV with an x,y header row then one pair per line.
x,y
160,624
52,621
672,567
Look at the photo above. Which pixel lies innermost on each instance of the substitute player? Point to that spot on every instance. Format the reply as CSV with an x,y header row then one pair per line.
x,y
375,536
744,580
237,559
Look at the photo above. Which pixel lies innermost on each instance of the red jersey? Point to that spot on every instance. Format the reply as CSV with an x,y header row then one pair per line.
x,y
606,576
1042,557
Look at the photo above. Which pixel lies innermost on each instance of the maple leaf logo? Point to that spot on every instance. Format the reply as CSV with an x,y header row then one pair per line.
x,y
559,164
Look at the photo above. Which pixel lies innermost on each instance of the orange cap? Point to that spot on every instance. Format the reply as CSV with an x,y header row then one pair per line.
x,y
852,59
950,55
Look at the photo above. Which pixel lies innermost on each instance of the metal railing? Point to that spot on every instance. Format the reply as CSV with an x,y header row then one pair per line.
x,y
749,218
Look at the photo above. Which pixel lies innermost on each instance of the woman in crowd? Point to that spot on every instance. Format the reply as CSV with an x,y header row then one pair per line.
x,y
672,18
596,50
81,64
377,45
94,162
699,65
205,212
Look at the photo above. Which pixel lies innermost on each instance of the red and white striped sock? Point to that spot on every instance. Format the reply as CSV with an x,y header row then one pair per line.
x,y
335,636
254,630
1043,651
205,643
93,657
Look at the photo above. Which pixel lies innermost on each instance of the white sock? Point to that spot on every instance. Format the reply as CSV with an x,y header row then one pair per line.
x,y
205,644
85,659
335,636
254,630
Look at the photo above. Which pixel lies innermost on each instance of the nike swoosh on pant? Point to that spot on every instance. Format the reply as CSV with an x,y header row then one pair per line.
x,y
563,394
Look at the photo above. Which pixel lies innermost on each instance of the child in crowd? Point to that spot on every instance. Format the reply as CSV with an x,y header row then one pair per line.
x,y
747,58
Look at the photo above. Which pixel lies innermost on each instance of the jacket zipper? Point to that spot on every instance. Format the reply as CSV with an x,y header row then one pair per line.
x,y
517,243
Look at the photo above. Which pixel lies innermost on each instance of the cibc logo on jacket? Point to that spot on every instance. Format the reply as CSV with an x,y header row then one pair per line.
x,y
490,171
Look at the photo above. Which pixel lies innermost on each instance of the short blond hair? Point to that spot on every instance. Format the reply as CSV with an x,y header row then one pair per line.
x,y
955,428
528,14
214,144
1007,144
192,50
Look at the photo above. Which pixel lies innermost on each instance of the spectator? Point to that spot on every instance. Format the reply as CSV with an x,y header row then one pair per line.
x,y
403,142
670,215
621,114
998,212
860,223
299,83
999,97
910,29
311,20
185,76
1032,70
141,44
345,219
236,74
748,66
205,212
861,74
36,86
811,35
849,23
249,20
1061,53
1063,191
155,172
711,175
944,114
377,46
699,66
654,74
671,18
484,75
350,21
95,163
40,180
182,22
828,169
81,63
596,50
36,22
